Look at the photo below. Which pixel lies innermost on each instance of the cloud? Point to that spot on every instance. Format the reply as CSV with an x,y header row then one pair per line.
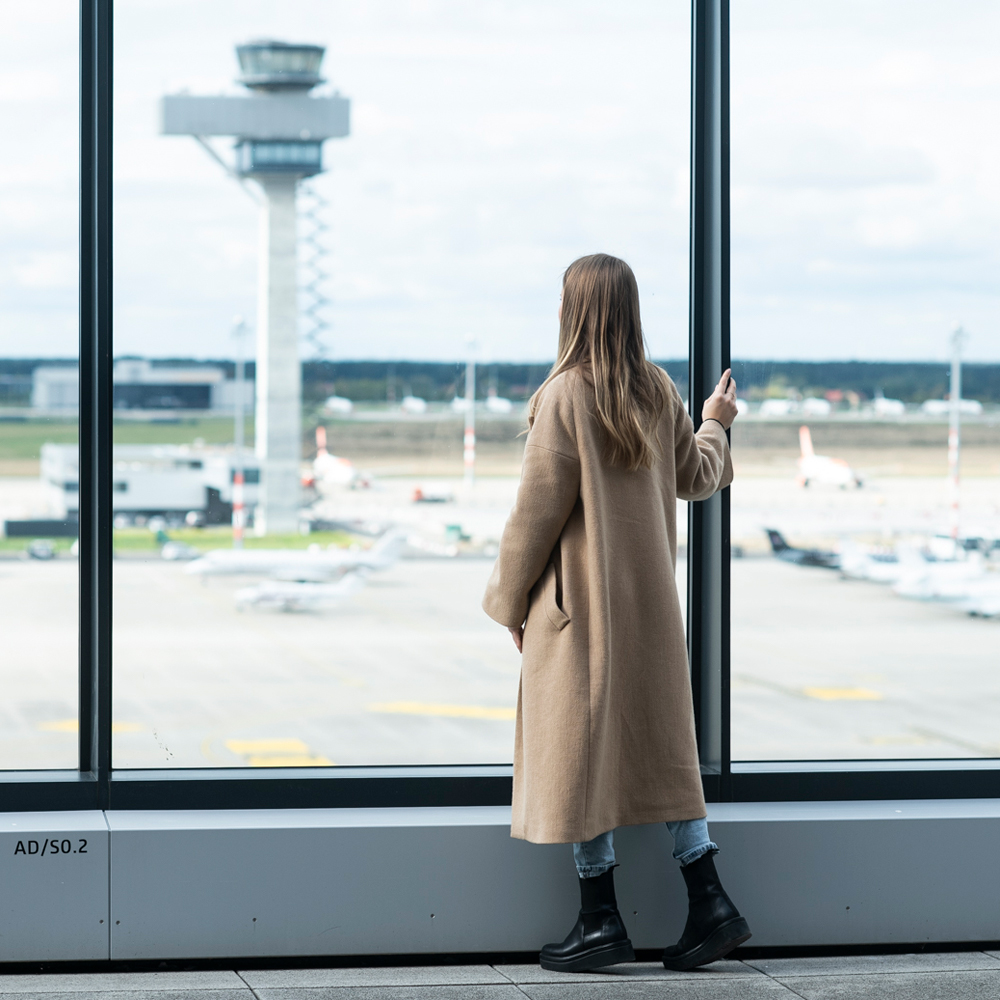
x,y
814,158
47,270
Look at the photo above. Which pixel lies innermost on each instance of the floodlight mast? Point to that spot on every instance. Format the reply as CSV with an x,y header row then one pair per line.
x,y
279,129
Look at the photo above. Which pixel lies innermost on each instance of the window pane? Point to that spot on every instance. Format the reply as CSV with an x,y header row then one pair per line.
x,y
864,220
488,146
39,385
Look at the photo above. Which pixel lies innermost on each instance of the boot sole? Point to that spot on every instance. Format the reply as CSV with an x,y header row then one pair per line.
x,y
717,945
594,958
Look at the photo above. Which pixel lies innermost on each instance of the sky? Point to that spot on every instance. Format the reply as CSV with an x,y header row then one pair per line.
x,y
494,142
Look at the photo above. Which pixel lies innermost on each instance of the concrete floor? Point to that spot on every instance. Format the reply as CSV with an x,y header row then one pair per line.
x,y
961,976
409,670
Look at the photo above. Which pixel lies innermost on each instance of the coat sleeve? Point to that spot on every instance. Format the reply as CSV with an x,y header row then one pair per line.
x,y
549,488
703,462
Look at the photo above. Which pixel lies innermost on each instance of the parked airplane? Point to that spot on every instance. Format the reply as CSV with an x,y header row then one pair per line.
x,y
300,595
312,564
815,468
800,557
983,602
331,470
946,581
878,567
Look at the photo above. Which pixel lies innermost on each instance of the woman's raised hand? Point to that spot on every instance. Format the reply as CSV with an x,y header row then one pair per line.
x,y
721,405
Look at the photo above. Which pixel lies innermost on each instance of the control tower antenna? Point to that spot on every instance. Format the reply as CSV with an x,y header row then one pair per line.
x,y
315,271
279,129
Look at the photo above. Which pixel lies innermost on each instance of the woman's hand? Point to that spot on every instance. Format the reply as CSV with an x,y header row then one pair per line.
x,y
517,634
721,405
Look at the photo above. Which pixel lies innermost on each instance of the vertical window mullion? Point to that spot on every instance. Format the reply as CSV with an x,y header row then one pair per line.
x,y
95,392
708,521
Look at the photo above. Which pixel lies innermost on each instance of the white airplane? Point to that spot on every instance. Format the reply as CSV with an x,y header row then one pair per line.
x,y
814,407
300,596
983,602
338,404
946,581
498,404
942,407
329,470
883,407
413,404
858,564
815,468
313,564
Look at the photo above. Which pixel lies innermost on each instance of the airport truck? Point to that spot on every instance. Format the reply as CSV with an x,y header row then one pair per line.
x,y
177,482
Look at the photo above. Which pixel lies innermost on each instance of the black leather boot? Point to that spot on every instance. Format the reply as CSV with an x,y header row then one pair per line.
x,y
714,926
599,937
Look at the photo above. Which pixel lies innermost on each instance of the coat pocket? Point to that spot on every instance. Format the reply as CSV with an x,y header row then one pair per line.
x,y
549,593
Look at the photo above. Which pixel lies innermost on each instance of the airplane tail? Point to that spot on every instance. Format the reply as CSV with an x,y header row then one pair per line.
x,y
806,442
777,540
320,441
388,548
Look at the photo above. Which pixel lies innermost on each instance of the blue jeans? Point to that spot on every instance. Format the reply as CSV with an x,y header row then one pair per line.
x,y
691,842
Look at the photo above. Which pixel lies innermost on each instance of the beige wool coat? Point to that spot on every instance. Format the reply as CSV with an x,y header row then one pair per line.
x,y
605,726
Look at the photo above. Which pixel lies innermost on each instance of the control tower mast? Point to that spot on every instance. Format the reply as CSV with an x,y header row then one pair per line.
x,y
279,129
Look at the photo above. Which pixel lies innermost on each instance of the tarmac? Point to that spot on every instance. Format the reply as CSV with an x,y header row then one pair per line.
x,y
409,670
970,975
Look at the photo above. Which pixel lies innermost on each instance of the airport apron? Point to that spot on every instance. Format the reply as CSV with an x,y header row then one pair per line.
x,y
604,734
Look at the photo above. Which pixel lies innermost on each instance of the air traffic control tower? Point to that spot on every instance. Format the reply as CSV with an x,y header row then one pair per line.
x,y
279,130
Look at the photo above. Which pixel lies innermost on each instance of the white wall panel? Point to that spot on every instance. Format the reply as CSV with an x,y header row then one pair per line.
x,y
396,881
53,886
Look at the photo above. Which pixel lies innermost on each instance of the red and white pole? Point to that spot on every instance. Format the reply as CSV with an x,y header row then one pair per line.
x,y
239,512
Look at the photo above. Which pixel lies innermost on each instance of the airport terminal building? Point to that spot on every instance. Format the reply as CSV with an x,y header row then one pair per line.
x,y
141,385
254,716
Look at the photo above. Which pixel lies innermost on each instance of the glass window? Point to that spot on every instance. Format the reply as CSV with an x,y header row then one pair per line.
x,y
416,278
39,385
864,219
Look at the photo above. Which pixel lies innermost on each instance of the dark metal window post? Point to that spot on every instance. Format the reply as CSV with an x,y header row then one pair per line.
x,y
96,543
708,521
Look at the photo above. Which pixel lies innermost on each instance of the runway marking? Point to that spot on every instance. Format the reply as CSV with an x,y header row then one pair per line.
x,y
277,753
842,694
448,711
73,726
290,760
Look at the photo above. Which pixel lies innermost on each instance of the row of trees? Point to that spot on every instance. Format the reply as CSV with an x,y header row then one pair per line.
x,y
381,381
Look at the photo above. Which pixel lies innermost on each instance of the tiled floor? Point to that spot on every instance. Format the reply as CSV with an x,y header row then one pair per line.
x,y
973,975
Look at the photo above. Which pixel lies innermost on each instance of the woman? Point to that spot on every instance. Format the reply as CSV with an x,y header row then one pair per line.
x,y
585,582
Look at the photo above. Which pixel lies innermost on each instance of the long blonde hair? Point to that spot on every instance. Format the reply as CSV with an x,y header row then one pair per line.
x,y
600,330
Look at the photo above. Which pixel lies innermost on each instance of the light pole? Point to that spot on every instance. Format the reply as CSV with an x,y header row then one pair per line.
x,y
469,451
279,130
954,431
239,511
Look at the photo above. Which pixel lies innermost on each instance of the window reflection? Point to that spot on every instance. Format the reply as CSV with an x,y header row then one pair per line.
x,y
867,589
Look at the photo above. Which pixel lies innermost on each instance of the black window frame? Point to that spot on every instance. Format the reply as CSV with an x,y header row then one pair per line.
x,y
96,785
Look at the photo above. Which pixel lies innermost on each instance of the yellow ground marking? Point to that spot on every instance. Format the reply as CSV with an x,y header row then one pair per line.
x,y
244,747
73,726
450,711
277,753
289,760
842,694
